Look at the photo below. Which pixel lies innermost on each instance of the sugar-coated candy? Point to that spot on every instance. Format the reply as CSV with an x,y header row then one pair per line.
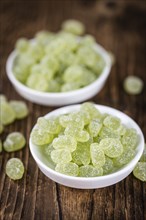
x,y
94,127
7,114
111,147
58,62
14,169
61,156
65,142
133,85
97,155
14,141
69,168
73,26
85,142
81,155
90,171
41,137
20,108
130,138
140,171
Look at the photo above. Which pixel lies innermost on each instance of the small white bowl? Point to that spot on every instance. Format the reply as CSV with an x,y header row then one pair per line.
x,y
91,182
60,98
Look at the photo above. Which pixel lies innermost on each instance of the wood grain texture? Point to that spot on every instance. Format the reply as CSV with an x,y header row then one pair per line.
x,y
120,27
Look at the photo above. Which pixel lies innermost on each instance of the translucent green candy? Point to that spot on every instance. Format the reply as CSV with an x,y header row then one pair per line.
x,y
143,157
69,168
73,26
14,168
95,127
77,133
0,146
90,171
73,119
111,122
14,141
140,171
41,137
97,155
20,109
7,114
85,142
108,166
81,155
61,156
22,45
111,147
124,158
133,85
130,138
52,125
65,141
91,109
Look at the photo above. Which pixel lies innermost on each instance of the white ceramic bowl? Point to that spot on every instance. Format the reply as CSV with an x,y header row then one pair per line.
x,y
62,98
91,182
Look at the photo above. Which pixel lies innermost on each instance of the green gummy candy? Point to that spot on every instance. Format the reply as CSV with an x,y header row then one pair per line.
x,y
65,141
82,154
7,114
41,137
14,168
97,155
20,108
69,168
130,138
90,171
61,156
94,127
111,122
140,171
111,147
14,141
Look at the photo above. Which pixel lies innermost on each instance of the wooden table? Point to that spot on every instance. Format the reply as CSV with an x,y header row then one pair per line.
x,y
120,27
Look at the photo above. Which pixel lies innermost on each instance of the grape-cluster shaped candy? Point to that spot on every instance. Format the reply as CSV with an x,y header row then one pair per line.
x,y
58,62
90,146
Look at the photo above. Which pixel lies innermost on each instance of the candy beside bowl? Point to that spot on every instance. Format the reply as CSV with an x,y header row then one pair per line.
x,y
47,167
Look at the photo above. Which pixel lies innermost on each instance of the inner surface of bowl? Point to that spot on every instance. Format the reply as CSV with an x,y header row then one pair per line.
x,y
61,98
47,167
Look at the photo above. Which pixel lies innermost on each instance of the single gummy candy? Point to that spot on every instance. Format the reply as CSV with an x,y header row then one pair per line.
x,y
7,114
140,171
69,168
65,141
20,108
14,168
14,141
90,171
61,156
133,85
111,147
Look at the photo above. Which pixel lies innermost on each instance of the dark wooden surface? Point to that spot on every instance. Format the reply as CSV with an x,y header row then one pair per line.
x,y
120,27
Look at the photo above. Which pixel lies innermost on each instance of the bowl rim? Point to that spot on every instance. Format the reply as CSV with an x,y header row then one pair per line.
x,y
102,77
119,172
